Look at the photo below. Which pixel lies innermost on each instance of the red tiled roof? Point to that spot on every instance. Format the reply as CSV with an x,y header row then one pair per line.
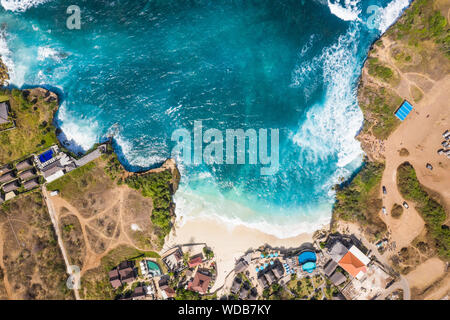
x,y
352,264
200,283
195,261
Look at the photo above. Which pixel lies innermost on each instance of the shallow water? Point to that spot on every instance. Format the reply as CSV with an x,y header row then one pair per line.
x,y
141,69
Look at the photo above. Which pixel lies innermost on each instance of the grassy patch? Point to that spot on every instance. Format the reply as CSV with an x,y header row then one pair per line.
x,y
158,187
422,22
34,130
378,105
432,212
358,201
382,72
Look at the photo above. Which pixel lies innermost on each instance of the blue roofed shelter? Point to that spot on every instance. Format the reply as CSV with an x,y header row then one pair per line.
x,y
404,110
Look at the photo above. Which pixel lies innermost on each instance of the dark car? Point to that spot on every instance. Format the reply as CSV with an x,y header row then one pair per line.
x,y
384,190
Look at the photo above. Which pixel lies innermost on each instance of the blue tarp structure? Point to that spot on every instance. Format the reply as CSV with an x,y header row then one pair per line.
x,y
404,110
307,256
46,156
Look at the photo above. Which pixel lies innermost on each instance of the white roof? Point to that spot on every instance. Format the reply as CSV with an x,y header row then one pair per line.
x,y
56,175
358,254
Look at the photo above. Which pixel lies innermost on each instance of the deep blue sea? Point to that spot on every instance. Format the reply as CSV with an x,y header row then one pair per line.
x,y
139,70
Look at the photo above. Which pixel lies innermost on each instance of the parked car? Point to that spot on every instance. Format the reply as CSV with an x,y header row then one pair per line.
x,y
429,166
384,210
384,190
405,205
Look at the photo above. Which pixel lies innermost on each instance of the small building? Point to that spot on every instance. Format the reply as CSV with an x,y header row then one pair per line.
x,y
243,294
337,251
270,277
174,260
236,285
138,293
7,177
253,294
53,171
9,195
241,266
24,175
114,278
278,271
25,164
4,113
329,268
195,261
200,283
167,293
337,278
355,262
30,184
11,186
263,281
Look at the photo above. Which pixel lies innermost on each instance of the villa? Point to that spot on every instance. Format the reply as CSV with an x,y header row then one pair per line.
x,y
7,177
12,186
195,261
351,260
27,174
200,283
25,164
174,260
30,184
124,273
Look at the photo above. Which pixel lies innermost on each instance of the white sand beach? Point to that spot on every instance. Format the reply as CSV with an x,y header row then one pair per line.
x,y
228,244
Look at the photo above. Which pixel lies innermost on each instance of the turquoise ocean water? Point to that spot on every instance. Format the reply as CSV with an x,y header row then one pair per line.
x,y
141,69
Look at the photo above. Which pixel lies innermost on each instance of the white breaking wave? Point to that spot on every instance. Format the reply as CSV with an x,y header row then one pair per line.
x,y
82,132
21,5
47,52
391,13
347,10
330,127
190,205
5,55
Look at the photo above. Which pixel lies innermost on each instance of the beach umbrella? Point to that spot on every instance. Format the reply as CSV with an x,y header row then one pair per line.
x,y
271,262
276,254
262,255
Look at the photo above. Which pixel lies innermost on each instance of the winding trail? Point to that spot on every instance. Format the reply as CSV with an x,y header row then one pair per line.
x,y
53,217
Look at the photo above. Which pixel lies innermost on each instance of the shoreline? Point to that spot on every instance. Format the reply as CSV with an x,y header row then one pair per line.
x,y
228,243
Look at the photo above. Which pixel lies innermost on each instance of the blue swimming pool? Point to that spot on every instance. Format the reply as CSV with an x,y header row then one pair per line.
x,y
307,256
47,155
309,267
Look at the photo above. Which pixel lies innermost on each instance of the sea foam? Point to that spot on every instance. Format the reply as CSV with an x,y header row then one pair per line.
x,y
21,5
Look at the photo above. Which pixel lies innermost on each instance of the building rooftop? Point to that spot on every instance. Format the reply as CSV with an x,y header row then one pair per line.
x,y
3,113
195,261
200,283
30,184
11,186
337,251
337,278
7,177
22,165
353,265
329,268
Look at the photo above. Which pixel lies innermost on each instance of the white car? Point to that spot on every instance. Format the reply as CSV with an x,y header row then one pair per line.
x,y
405,205
384,210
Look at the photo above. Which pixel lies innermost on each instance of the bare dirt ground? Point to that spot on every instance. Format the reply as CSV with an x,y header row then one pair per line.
x,y
31,261
419,137
108,228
